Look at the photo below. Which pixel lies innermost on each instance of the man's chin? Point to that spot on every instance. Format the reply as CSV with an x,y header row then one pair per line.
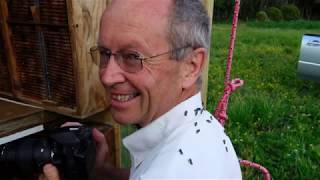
x,y
123,118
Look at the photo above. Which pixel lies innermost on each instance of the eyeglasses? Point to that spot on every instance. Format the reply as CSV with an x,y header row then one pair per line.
x,y
129,61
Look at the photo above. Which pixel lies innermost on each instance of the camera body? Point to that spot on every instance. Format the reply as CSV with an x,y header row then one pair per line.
x,y
70,149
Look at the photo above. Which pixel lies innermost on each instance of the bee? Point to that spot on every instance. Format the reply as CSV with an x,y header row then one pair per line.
x,y
202,110
180,151
196,111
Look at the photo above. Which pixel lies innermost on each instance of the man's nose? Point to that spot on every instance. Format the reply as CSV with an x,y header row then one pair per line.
x,y
112,73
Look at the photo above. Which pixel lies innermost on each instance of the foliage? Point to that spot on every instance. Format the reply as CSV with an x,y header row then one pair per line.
x,y
223,9
274,119
300,24
290,12
274,14
262,16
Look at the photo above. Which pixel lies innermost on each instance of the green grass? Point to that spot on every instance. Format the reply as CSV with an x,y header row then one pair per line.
x,y
274,119
301,24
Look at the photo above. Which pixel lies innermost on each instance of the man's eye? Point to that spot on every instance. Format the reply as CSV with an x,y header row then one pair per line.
x,y
105,53
131,56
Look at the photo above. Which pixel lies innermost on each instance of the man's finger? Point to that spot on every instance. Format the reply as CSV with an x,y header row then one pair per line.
x,y
102,147
42,177
51,172
71,124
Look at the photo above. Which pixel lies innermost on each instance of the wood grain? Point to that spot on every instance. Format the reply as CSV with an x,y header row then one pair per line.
x,y
84,20
70,28
15,83
209,6
15,116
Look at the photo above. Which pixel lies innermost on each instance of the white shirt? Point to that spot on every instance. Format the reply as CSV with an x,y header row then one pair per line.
x,y
184,143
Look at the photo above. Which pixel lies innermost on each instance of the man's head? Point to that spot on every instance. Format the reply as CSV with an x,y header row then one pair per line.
x,y
157,52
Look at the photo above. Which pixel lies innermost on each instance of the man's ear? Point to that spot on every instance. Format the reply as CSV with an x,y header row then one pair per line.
x,y
193,66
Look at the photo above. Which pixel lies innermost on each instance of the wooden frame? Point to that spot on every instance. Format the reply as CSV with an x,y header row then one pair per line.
x,y
83,26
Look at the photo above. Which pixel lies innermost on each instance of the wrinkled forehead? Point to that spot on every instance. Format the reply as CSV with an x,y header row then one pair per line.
x,y
139,12
160,7
139,21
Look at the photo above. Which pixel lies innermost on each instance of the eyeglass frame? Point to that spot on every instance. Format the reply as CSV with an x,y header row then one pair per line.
x,y
138,57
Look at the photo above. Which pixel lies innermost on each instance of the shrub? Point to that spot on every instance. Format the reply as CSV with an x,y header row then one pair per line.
x,y
290,12
262,16
274,14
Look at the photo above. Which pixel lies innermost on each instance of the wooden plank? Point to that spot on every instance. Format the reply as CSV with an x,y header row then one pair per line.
x,y
5,83
15,117
51,106
10,110
209,6
84,20
12,67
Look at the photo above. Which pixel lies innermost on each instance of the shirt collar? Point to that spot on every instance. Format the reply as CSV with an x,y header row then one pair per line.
x,y
143,141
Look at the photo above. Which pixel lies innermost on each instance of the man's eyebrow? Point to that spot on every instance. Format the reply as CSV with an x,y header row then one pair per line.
x,y
101,45
133,45
103,48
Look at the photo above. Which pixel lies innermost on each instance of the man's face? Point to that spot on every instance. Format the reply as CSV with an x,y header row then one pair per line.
x,y
141,97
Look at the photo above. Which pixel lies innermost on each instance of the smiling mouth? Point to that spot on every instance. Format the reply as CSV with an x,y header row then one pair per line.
x,y
124,97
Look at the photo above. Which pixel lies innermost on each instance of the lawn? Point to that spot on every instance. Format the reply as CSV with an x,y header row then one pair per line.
x,y
274,119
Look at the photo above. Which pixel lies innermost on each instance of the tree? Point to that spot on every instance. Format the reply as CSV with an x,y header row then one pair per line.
x,y
224,8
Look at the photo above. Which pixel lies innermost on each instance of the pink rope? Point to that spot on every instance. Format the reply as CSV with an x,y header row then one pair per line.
x,y
256,166
221,110
232,40
230,86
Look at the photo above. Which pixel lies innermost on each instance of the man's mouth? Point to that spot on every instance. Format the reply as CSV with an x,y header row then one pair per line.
x,y
124,97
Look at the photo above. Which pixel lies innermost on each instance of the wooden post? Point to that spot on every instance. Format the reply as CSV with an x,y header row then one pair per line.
x,y
209,6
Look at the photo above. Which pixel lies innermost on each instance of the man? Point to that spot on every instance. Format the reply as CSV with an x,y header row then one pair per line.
x,y
152,53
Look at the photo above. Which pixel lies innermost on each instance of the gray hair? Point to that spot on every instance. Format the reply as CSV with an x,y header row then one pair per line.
x,y
188,26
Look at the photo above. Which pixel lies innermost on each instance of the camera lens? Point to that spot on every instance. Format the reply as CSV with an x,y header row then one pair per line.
x,y
6,158
71,150
24,158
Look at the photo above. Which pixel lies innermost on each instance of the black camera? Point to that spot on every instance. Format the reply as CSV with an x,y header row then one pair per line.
x,y
70,149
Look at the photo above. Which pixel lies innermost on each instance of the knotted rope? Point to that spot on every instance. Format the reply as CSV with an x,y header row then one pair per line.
x,y
230,86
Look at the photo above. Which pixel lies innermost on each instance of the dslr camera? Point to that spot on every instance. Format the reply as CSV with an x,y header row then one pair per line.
x,y
70,149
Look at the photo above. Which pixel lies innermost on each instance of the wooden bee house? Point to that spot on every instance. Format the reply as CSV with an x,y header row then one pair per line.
x,y
44,54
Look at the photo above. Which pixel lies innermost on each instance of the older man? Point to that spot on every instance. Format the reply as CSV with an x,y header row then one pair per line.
x,y
151,56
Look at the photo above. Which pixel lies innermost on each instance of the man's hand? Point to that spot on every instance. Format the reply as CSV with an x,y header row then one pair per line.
x,y
101,148
101,144
50,172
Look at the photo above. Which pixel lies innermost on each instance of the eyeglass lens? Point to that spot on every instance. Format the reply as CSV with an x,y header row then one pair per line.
x,y
128,61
